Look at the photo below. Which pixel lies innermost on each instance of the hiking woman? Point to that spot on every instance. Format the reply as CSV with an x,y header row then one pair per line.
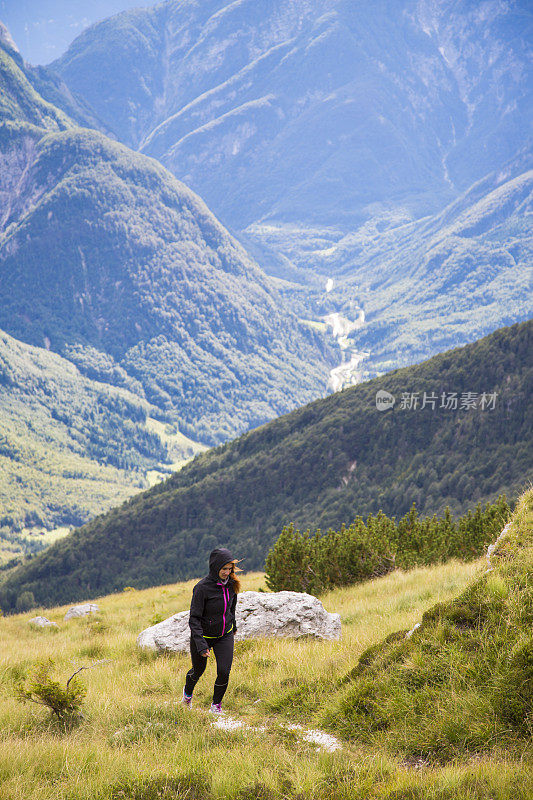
x,y
212,624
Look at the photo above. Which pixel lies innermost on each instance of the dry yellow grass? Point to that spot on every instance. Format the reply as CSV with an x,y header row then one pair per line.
x,y
134,728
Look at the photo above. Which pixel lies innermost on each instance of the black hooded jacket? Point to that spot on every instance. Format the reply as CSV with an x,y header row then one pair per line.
x,y
213,604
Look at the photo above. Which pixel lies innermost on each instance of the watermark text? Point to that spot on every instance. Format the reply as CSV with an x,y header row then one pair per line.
x,y
446,401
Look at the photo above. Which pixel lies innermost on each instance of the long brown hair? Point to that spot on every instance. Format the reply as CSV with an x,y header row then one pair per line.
x,y
232,576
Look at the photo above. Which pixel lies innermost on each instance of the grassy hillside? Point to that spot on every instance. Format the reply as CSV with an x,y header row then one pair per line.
x,y
320,466
135,741
472,658
70,446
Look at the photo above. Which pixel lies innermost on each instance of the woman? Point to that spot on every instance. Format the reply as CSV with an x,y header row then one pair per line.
x,y
212,624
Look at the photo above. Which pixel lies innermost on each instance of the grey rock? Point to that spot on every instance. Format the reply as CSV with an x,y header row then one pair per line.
x,y
285,614
492,548
258,615
170,634
81,611
42,622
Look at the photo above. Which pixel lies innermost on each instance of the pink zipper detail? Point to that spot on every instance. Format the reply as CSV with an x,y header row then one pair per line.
x,y
225,607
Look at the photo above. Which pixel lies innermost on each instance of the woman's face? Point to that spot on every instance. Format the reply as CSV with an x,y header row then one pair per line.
x,y
225,571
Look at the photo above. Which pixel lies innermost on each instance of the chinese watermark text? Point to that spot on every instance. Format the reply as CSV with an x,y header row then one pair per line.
x,y
447,401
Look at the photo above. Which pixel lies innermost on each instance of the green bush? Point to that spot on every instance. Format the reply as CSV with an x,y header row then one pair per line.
x,y
64,703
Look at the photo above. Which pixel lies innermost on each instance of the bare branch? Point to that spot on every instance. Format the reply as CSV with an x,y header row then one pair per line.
x,y
96,664
36,701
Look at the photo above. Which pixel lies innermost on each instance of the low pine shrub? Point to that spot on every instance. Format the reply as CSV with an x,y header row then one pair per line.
x,y
316,562
64,702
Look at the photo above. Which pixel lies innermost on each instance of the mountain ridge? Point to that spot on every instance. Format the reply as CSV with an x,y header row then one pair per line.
x,y
197,65
320,131
319,466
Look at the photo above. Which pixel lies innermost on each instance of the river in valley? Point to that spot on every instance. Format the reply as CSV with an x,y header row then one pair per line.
x,y
349,371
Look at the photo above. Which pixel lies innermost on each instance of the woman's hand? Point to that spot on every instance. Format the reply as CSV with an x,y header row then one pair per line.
x,y
205,654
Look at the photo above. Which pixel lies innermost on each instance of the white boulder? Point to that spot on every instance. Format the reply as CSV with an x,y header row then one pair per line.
x,y
287,614
258,615
81,611
171,634
42,622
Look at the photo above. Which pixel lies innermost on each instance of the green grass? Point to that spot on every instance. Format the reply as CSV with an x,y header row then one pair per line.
x,y
463,682
135,740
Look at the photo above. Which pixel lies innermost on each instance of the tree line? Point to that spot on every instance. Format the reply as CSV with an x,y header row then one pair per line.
x,y
302,561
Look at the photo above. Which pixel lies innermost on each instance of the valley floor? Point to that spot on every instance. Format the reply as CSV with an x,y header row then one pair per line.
x,y
137,742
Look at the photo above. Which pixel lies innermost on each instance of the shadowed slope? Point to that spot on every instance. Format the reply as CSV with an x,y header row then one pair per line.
x,y
319,466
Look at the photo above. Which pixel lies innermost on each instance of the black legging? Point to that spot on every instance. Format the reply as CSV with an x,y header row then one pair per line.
x,y
223,650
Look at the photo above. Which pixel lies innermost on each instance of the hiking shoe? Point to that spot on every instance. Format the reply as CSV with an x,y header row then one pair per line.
x,y
186,700
216,708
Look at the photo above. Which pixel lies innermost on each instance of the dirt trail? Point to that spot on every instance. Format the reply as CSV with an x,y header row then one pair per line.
x,y
322,740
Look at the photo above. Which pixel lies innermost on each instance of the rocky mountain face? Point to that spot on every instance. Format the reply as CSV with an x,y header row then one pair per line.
x,y
313,111
338,140
443,279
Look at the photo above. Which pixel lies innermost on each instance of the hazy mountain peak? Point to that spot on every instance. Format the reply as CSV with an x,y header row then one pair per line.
x,y
19,99
406,103
6,38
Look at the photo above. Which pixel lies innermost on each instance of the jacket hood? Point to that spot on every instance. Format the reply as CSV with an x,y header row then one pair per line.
x,y
219,556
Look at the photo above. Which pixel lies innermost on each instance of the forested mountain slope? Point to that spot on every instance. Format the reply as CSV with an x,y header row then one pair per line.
x,y
35,94
70,446
108,260
136,317
318,466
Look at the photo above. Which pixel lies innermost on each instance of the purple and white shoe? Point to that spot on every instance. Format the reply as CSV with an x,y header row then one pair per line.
x,y
186,700
216,708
